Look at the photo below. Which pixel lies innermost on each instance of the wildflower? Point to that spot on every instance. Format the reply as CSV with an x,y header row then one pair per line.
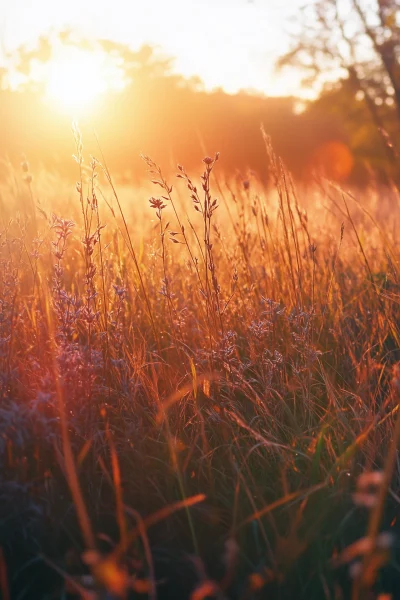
x,y
119,290
367,487
365,480
157,203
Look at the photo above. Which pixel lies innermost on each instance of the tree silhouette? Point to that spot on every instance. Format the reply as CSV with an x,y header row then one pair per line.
x,y
357,39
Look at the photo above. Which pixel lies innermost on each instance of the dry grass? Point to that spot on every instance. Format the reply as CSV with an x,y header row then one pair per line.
x,y
190,388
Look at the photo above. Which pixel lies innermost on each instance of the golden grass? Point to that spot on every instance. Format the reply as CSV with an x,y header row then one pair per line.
x,y
225,349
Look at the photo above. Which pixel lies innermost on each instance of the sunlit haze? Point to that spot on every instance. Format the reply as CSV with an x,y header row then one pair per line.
x,y
227,43
75,78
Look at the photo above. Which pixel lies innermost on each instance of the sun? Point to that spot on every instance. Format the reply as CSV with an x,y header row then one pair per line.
x,y
75,79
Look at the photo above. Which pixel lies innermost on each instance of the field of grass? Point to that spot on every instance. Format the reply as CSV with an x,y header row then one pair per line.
x,y
199,391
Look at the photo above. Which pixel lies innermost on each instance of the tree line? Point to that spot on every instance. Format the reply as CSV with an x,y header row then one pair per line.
x,y
349,130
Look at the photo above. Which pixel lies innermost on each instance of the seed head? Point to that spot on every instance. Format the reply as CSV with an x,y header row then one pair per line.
x,y
157,203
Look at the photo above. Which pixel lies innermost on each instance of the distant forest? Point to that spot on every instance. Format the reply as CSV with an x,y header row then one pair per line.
x,y
174,120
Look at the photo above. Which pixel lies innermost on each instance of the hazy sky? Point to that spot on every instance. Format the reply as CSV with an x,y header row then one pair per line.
x,y
229,43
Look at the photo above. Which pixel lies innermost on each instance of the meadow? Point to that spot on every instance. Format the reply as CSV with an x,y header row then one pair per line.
x,y
199,385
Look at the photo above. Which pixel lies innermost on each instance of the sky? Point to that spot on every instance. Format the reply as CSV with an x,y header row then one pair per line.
x,y
229,43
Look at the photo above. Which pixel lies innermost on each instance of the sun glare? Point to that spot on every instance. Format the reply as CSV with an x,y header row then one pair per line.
x,y
76,78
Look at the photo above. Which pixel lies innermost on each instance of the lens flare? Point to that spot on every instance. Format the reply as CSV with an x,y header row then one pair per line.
x,y
334,159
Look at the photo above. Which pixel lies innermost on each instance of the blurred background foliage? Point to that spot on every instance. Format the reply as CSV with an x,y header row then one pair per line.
x,y
348,51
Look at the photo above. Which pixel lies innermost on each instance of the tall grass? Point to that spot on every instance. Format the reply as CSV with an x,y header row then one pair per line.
x,y
194,376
